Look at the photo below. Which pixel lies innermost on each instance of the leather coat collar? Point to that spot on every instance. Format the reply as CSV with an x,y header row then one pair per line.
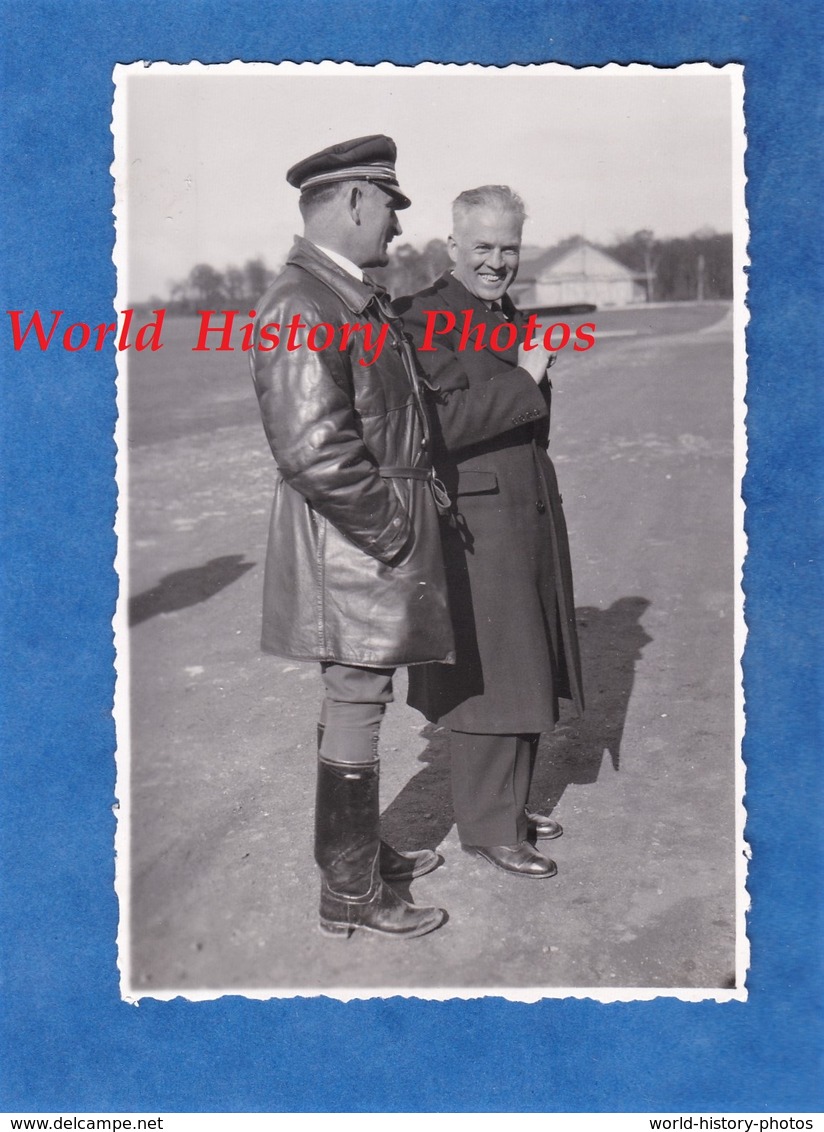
x,y
356,295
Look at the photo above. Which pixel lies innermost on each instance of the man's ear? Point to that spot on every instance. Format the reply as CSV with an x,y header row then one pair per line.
x,y
354,203
452,248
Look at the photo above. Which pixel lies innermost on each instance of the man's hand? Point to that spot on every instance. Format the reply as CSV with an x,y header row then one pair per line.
x,y
536,361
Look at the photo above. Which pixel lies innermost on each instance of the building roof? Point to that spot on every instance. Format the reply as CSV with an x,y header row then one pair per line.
x,y
537,263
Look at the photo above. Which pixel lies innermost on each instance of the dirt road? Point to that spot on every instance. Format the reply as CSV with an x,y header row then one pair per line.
x,y
223,887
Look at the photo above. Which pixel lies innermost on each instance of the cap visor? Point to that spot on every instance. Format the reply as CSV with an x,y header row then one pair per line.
x,y
399,201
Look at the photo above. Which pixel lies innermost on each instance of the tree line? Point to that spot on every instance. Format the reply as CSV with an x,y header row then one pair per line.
x,y
690,267
685,268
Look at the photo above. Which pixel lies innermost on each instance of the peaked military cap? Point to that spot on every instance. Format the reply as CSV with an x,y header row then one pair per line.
x,y
371,158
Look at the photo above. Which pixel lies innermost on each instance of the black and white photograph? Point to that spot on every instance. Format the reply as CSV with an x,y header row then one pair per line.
x,y
430,534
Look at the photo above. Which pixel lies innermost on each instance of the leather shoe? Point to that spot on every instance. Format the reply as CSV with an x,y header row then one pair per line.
x,y
542,827
521,859
395,865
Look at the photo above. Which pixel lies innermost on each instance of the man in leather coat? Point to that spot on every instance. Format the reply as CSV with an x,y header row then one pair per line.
x,y
506,549
354,574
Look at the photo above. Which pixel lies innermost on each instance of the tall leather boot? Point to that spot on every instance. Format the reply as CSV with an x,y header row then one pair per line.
x,y
394,864
347,850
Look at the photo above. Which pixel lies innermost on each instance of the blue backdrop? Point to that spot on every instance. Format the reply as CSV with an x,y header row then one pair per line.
x,y
68,1043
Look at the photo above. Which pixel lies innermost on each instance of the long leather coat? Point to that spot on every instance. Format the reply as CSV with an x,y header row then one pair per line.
x,y
354,570
507,551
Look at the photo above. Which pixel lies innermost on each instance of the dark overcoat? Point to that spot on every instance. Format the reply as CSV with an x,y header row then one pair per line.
x,y
354,570
506,546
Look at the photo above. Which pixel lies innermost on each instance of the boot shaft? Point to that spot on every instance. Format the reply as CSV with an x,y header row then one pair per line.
x,y
347,827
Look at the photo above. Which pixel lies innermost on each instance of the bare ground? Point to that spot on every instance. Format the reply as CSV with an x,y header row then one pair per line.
x,y
223,890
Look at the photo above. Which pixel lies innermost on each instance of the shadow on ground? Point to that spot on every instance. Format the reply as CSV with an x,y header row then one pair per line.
x,y
187,587
611,643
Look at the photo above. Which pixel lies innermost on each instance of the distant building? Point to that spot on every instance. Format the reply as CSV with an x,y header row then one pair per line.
x,y
575,273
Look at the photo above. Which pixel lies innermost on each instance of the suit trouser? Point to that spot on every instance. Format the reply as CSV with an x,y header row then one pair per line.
x,y
352,710
491,776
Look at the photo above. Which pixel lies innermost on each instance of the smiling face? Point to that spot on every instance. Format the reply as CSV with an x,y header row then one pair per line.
x,y
485,249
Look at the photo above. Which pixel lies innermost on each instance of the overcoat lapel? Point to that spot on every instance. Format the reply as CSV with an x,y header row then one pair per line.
x,y
458,299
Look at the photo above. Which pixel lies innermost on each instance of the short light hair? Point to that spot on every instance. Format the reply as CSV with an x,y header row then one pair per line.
x,y
498,197
314,198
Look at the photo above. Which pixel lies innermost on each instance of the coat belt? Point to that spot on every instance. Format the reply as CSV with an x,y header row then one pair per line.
x,y
406,473
439,492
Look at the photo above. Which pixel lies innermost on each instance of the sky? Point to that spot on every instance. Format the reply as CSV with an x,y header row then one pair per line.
x,y
201,152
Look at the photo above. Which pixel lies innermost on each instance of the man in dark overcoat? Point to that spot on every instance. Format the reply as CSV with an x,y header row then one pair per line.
x,y
354,573
506,547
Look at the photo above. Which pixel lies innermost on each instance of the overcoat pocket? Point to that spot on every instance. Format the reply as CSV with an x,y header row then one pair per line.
x,y
473,481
